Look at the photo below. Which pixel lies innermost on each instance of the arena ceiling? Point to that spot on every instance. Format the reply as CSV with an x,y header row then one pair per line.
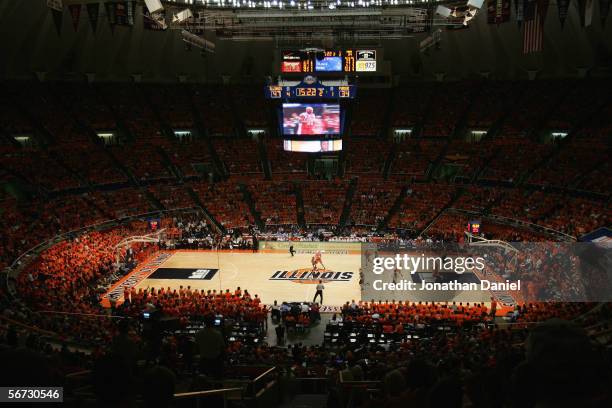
x,y
30,43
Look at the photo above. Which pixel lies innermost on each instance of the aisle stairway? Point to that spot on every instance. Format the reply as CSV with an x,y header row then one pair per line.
x,y
299,205
348,202
248,199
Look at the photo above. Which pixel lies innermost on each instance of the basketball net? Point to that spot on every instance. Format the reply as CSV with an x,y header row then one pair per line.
x,y
154,238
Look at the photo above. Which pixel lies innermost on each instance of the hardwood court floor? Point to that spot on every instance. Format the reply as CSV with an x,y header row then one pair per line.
x,y
253,271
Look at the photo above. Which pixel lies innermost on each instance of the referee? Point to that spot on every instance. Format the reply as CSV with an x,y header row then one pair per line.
x,y
319,292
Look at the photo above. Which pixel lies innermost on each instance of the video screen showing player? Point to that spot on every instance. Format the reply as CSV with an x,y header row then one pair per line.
x,y
306,119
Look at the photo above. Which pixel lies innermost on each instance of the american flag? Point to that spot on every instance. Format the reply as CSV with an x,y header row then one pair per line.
x,y
533,30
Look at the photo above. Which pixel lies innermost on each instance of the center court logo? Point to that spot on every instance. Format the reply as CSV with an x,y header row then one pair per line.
x,y
202,274
307,275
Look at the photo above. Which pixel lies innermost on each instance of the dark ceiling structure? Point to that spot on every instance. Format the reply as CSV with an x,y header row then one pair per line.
x,y
31,45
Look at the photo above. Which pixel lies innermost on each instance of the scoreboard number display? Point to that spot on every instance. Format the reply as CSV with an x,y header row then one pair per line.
x,y
340,61
310,88
310,92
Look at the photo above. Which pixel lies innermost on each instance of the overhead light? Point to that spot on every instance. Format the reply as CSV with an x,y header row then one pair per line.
x,y
477,4
182,16
443,11
154,6
469,15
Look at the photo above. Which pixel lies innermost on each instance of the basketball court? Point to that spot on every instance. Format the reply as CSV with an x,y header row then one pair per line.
x,y
273,274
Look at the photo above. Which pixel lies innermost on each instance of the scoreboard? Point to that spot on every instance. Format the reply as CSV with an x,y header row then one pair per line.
x,y
303,91
338,61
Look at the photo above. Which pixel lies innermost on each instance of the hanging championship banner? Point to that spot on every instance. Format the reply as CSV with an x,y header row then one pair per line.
x,y
75,13
93,12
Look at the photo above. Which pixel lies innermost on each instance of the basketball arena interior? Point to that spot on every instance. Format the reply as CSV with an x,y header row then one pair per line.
x,y
306,203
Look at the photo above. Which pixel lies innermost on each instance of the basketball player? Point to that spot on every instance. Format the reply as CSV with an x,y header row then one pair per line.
x,y
317,259
319,292
291,250
314,262
361,276
308,122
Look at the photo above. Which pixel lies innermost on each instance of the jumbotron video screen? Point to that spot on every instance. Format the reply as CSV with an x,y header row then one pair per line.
x,y
311,119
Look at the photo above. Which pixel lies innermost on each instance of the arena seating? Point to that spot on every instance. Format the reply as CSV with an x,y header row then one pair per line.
x,y
421,204
470,157
477,198
285,164
407,111
533,104
490,103
365,156
372,200
186,156
65,179
414,157
323,201
241,156
85,102
446,109
251,107
40,168
275,202
72,159
576,159
572,110
513,157
368,122
527,205
225,202
172,196
173,104
214,108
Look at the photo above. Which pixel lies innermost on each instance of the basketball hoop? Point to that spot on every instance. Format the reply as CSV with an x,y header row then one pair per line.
x,y
154,238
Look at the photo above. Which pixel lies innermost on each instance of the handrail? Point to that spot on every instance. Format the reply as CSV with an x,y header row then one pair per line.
x,y
82,314
514,220
78,373
353,382
264,374
28,327
63,235
601,333
13,268
205,393
119,220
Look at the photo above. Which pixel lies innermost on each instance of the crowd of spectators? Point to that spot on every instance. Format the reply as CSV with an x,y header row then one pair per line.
x,y
323,201
214,108
372,200
446,110
421,203
285,164
367,121
275,202
71,181
414,157
224,201
407,111
365,156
